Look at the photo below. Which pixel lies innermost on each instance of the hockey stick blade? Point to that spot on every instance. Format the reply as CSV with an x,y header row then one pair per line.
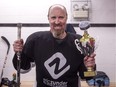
x,y
7,42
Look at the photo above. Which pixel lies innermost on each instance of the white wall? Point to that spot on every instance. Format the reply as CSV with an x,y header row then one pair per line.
x,y
35,11
115,54
103,11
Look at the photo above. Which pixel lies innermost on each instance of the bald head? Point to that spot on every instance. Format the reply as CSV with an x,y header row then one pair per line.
x,y
57,6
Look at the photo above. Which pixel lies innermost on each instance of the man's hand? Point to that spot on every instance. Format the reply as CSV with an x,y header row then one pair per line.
x,y
89,61
18,45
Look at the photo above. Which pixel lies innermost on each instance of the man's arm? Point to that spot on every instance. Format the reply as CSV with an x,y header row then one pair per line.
x,y
25,63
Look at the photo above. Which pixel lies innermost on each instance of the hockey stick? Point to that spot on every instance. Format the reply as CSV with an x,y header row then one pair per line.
x,y
19,25
8,44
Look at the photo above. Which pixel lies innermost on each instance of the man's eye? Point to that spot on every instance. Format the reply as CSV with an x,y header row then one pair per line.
x,y
53,17
61,17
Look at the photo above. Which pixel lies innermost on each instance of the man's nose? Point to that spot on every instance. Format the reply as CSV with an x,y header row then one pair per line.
x,y
57,21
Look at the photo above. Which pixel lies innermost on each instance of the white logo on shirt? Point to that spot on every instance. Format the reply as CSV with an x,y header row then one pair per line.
x,y
56,63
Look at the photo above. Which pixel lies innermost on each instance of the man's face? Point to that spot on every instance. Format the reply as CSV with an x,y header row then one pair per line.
x,y
57,19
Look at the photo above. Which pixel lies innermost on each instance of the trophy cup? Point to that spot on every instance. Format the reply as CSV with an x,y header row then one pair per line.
x,y
87,46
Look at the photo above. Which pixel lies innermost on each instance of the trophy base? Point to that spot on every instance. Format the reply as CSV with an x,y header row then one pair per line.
x,y
89,74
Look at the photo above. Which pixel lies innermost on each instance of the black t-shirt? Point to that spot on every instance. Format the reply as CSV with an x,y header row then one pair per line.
x,y
58,62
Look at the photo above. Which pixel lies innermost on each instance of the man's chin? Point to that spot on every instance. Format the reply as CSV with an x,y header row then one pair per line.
x,y
56,34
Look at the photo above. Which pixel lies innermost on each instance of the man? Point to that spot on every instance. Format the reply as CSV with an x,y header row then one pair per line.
x,y
57,59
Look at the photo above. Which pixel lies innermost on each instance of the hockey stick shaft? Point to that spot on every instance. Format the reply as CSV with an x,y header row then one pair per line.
x,y
19,25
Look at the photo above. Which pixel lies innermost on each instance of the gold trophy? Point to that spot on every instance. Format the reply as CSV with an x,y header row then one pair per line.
x,y
87,46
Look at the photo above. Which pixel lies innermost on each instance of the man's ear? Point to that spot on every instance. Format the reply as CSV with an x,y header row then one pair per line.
x,y
48,17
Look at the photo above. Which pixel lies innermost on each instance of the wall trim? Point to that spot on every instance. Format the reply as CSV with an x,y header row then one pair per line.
x,y
47,24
